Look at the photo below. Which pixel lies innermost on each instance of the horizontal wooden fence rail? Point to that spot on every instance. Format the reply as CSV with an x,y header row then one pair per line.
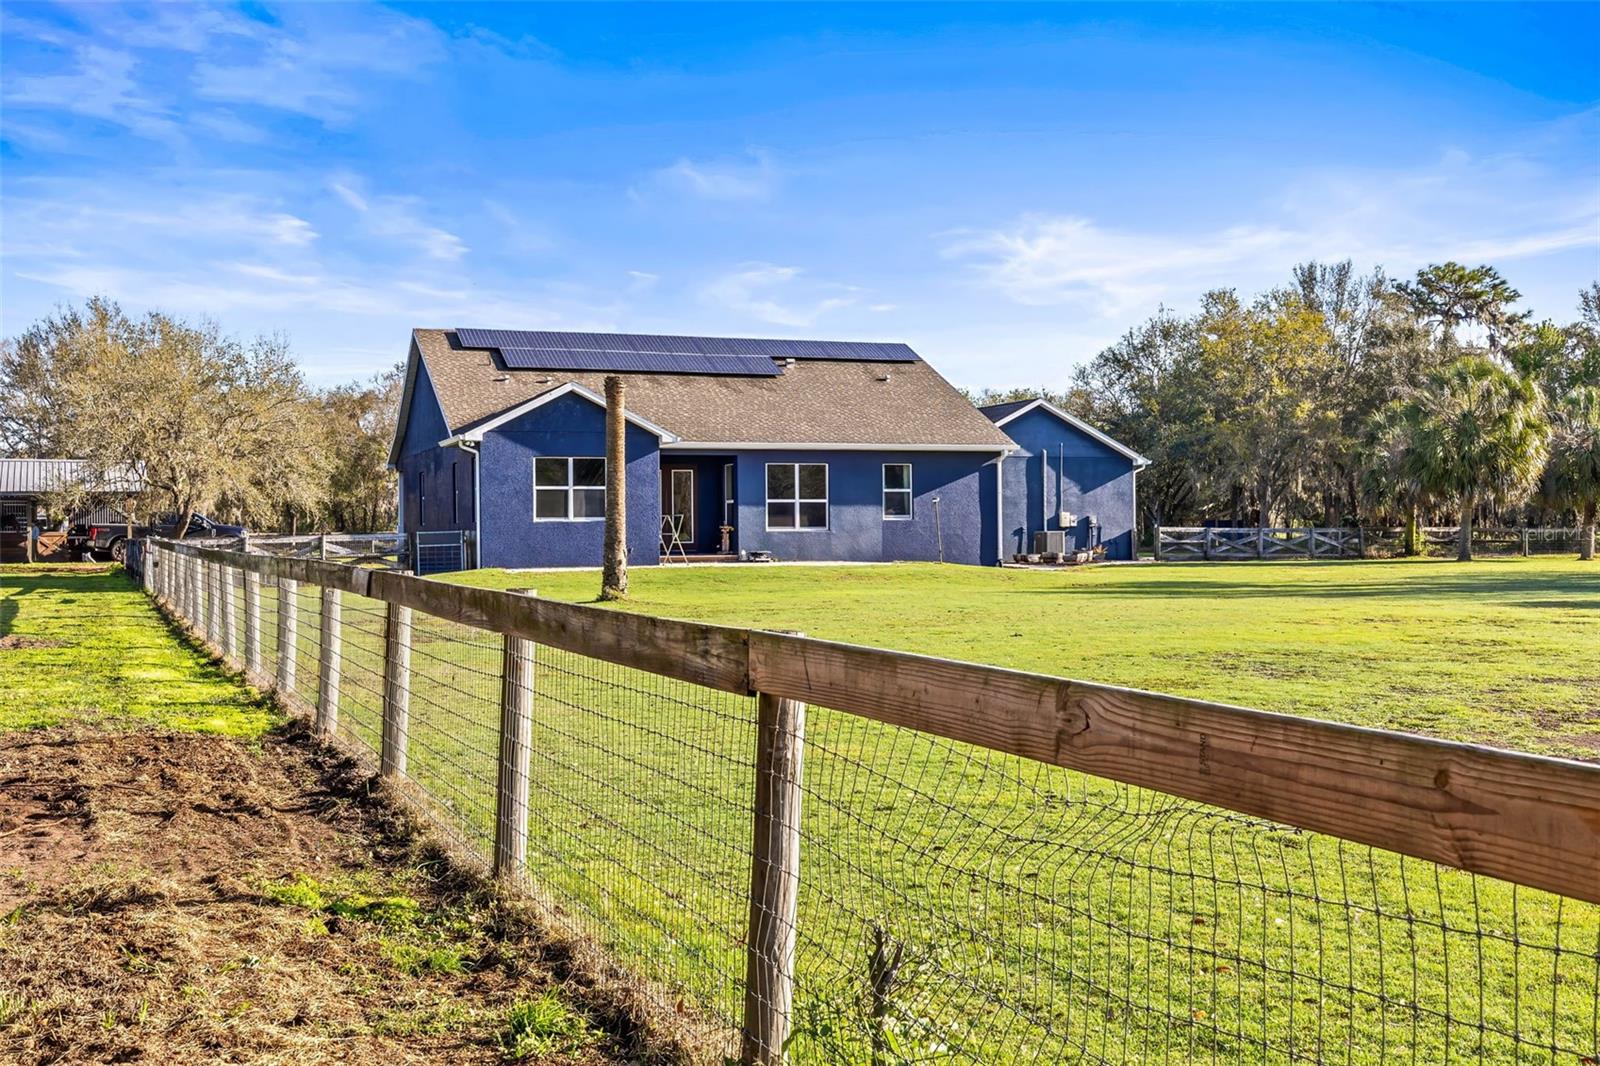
x,y
368,637
1225,543
1532,820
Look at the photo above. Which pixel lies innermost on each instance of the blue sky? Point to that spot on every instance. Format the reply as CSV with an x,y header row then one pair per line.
x,y
1007,188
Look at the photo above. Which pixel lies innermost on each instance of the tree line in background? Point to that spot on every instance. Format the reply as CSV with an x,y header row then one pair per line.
x,y
1336,399
1340,400
208,423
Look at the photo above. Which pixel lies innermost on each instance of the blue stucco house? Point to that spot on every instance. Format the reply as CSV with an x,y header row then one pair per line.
x,y
1065,476
806,450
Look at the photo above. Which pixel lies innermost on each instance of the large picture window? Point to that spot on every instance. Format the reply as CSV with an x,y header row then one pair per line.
x,y
569,489
797,495
896,491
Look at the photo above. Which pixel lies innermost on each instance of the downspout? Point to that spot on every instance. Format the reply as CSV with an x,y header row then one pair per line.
x,y
1134,552
477,511
999,462
1044,488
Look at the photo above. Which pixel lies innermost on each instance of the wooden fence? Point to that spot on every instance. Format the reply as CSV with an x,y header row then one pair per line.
x,y
389,548
1529,820
1215,543
1225,543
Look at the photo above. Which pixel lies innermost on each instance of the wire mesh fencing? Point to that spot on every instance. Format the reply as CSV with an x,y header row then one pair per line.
x,y
963,905
822,887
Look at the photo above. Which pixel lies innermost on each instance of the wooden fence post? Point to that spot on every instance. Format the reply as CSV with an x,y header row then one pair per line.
x,y
1261,542
396,690
214,612
1525,551
1205,544
252,623
516,743
328,665
774,881
230,624
204,606
1158,543
1361,542
191,572
288,623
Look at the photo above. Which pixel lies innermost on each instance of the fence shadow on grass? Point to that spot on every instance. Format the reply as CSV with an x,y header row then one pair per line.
x,y
18,581
1474,585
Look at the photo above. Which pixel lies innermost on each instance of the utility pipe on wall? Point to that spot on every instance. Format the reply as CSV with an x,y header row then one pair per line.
x,y
1044,487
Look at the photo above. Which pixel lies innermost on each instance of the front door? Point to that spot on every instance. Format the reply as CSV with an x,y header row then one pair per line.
x,y
677,500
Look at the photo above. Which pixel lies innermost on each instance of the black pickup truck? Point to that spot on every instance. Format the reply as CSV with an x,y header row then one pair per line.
x,y
111,539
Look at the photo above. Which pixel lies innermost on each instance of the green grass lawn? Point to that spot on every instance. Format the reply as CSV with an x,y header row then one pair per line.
x,y
1044,916
84,645
1056,917
1496,651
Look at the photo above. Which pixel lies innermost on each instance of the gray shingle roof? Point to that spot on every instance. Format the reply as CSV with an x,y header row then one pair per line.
x,y
814,401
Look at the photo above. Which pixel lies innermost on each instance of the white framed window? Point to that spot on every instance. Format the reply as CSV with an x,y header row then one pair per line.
x,y
569,489
896,492
797,496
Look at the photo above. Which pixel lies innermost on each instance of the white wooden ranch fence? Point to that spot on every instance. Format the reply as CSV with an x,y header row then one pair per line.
x,y
1181,543
1522,819
1224,543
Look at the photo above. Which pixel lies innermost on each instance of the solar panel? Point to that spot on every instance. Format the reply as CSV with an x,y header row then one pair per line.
x,y
651,344
636,362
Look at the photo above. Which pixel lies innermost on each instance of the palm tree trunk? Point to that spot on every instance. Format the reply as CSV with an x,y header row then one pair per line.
x,y
1411,528
1464,550
1586,534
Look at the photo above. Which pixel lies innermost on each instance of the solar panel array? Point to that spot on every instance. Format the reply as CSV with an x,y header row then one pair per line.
x,y
647,353
638,362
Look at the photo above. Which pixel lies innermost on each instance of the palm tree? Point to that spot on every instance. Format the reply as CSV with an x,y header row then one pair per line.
x,y
1572,476
1474,431
1386,479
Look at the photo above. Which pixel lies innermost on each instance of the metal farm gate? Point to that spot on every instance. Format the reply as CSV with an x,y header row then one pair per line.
x,y
438,551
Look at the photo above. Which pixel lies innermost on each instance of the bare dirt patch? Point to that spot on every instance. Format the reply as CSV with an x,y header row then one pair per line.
x,y
16,642
169,897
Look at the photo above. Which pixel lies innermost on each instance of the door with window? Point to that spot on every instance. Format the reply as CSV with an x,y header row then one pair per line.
x,y
677,500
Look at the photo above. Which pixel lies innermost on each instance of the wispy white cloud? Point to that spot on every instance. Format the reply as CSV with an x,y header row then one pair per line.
x,y
1478,209
1051,260
244,257
319,66
776,294
397,218
102,86
516,233
751,180
84,220
158,70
